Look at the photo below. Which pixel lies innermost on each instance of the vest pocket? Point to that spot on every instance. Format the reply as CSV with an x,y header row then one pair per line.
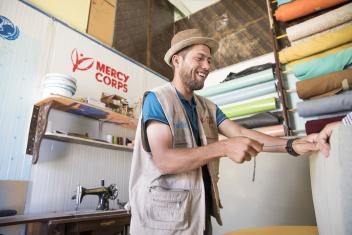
x,y
168,208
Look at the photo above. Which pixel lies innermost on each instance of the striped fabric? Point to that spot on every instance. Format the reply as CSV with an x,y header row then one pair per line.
x,y
347,121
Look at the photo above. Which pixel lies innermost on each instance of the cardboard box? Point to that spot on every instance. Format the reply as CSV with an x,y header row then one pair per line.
x,y
74,13
102,20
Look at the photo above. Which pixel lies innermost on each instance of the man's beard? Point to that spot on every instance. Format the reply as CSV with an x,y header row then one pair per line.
x,y
190,80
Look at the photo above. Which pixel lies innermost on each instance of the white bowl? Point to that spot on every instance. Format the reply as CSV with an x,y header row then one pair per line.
x,y
59,81
70,89
61,76
50,91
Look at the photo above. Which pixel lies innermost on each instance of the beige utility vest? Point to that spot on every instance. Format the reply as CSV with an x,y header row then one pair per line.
x,y
173,203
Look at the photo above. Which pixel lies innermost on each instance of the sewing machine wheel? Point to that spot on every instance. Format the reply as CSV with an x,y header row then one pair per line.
x,y
113,192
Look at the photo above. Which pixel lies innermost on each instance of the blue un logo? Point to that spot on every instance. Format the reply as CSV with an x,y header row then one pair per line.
x,y
8,30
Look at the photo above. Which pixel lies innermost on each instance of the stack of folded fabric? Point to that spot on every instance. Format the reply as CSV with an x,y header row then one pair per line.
x,y
247,96
319,57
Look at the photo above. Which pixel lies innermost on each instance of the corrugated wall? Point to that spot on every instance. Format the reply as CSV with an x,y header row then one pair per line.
x,y
19,88
61,166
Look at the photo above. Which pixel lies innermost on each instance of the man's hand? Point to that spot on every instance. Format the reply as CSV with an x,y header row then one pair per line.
x,y
306,144
240,149
323,138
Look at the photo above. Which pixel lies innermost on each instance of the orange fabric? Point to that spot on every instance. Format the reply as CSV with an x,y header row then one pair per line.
x,y
277,230
298,8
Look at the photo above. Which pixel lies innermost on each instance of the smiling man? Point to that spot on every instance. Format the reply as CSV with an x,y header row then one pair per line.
x,y
173,183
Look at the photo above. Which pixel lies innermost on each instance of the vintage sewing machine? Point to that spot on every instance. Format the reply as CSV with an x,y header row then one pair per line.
x,y
104,194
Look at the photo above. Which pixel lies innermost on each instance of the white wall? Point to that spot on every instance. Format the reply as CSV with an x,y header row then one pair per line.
x,y
45,46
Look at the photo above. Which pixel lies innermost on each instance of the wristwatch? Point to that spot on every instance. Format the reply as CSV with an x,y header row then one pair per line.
x,y
289,148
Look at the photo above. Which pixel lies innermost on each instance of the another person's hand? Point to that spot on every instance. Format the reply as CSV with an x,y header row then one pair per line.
x,y
240,149
306,144
323,138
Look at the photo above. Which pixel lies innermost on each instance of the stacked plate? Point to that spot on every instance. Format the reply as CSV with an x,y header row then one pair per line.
x,y
59,84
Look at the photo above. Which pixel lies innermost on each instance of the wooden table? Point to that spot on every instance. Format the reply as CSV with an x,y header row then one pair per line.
x,y
80,222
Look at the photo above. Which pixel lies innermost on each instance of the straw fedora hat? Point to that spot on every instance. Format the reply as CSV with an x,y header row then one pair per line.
x,y
187,38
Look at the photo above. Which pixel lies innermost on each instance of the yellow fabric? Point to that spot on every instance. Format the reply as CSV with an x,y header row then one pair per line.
x,y
316,44
325,53
277,230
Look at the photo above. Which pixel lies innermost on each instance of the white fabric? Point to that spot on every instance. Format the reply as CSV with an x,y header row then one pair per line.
x,y
331,180
320,23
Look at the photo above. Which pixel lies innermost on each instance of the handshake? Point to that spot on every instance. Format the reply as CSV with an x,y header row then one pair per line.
x,y
241,149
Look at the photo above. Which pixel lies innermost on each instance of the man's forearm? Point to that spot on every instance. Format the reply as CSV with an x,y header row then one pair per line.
x,y
271,144
173,161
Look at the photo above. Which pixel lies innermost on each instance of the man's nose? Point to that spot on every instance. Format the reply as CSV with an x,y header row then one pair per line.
x,y
206,65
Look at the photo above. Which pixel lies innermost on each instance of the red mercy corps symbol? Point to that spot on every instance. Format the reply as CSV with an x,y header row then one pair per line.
x,y
79,62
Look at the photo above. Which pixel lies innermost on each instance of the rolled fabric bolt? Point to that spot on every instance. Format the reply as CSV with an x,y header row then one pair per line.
x,y
326,105
326,85
260,120
250,80
334,29
317,44
245,108
244,93
277,130
320,23
281,2
249,71
315,126
324,65
322,54
299,8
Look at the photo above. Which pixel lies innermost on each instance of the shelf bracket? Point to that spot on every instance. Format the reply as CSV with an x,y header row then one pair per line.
x,y
37,129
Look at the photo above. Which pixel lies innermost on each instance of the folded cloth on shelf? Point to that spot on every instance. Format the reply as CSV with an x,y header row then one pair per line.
x,y
323,65
317,44
245,108
322,54
248,71
320,23
281,2
260,120
326,105
250,80
326,85
299,8
277,130
244,93
315,126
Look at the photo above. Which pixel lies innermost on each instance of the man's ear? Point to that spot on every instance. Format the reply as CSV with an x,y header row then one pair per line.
x,y
175,60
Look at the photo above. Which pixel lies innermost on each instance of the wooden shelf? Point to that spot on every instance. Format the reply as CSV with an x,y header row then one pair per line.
x,y
91,111
90,142
41,112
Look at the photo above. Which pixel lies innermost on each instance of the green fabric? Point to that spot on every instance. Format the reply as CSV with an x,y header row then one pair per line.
x,y
252,79
237,110
323,65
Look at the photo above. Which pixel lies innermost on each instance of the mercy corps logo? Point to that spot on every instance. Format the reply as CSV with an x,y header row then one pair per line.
x,y
103,74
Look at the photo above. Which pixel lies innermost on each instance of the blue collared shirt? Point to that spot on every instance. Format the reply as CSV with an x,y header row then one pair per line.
x,y
152,110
